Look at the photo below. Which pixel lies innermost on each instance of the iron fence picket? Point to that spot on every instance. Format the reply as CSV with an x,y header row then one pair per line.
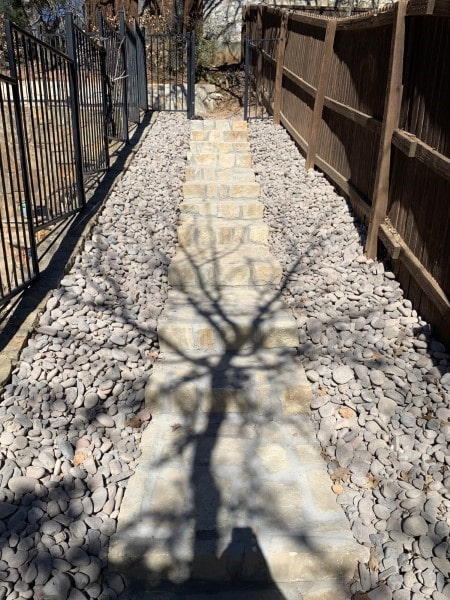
x,y
123,76
191,75
142,66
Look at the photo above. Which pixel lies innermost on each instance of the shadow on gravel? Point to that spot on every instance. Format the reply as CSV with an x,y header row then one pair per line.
x,y
218,512
57,255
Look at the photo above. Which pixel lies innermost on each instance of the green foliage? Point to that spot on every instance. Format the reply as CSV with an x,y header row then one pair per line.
x,y
204,58
14,11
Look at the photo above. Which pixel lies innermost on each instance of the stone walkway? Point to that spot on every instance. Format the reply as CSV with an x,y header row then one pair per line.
x,y
231,495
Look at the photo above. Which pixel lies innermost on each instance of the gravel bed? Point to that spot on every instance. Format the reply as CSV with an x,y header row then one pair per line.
x,y
71,419
72,416
381,382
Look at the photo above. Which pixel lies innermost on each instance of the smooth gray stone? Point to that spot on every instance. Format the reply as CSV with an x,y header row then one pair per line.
x,y
77,557
342,374
66,449
22,484
415,525
57,588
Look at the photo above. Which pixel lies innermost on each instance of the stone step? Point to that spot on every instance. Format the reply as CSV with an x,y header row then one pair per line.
x,y
248,265
219,135
264,382
238,208
225,326
330,589
204,232
261,298
232,499
220,174
227,191
224,161
222,148
225,125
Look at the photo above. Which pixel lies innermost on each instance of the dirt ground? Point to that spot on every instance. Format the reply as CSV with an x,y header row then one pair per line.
x,y
229,84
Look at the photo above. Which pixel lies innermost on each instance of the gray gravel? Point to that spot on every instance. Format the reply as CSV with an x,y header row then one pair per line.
x,y
381,384
380,380
66,448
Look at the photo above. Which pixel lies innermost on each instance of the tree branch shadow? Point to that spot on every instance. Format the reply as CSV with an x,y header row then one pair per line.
x,y
214,525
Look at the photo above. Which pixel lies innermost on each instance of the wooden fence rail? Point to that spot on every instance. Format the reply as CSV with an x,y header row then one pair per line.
x,y
367,99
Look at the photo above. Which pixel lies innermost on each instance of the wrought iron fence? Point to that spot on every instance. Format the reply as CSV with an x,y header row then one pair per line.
x,y
116,93
132,90
64,99
45,80
18,258
260,70
171,72
90,60
141,66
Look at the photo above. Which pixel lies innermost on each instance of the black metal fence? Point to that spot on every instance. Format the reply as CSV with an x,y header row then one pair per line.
x,y
260,71
62,103
130,43
18,257
91,88
171,70
45,80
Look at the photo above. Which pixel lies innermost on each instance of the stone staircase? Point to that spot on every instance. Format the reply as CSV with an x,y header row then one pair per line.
x,y
231,497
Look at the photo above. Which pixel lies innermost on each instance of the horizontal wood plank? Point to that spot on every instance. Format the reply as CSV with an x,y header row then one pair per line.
x,y
424,279
363,119
346,186
298,139
304,85
413,147
301,17
405,142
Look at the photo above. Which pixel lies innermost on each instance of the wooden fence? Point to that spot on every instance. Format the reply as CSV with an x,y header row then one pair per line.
x,y
367,99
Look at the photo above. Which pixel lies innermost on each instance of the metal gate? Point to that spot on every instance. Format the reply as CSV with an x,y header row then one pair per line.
x,y
116,84
65,97
90,63
18,256
171,72
260,69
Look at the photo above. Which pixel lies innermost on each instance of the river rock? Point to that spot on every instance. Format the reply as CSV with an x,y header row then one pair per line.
x,y
415,525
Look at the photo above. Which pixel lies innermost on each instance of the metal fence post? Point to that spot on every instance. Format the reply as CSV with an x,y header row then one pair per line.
x,y
191,75
101,29
246,67
106,110
141,61
74,106
124,75
105,104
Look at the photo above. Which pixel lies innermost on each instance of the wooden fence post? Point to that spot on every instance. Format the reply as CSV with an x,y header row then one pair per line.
x,y
328,45
390,123
279,68
259,21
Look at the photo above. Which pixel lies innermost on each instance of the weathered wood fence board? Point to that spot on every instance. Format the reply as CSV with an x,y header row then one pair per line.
x,y
367,100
